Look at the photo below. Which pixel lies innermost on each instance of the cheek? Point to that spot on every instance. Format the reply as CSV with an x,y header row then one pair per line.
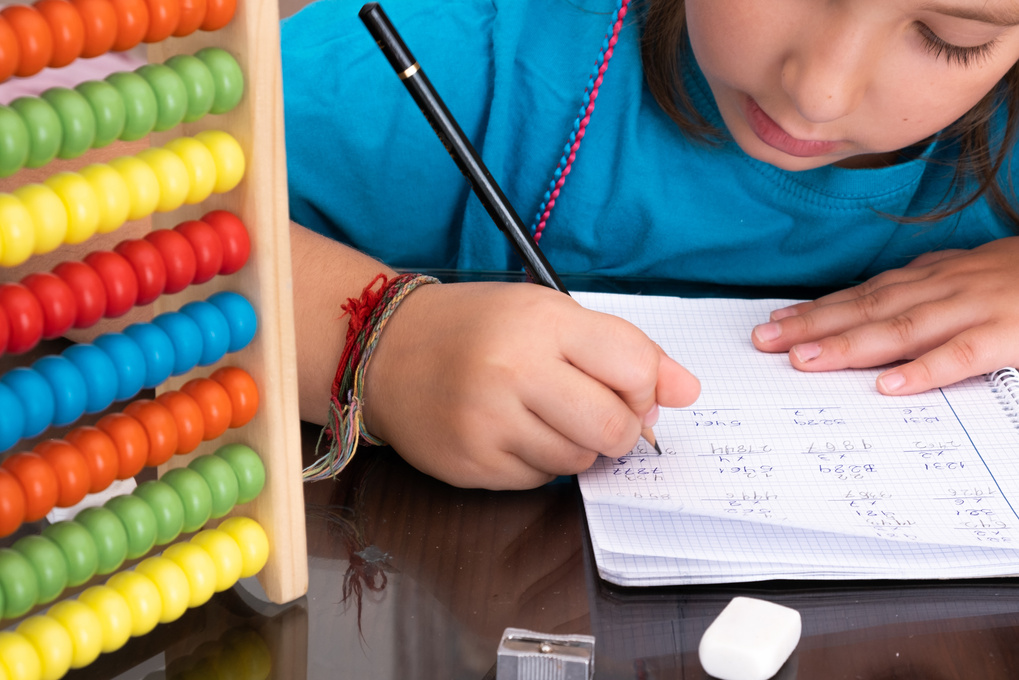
x,y
722,36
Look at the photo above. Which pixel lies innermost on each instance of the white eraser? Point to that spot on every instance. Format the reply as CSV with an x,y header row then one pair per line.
x,y
750,640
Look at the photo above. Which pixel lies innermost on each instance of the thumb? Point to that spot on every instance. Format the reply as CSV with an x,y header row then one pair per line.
x,y
677,387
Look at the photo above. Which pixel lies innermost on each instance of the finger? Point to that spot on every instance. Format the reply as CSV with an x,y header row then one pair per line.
x,y
936,256
677,387
965,355
546,450
887,278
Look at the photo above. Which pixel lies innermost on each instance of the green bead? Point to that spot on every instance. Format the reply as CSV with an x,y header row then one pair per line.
x,y
107,108
227,75
110,537
19,583
76,120
13,142
140,105
44,130
198,82
222,482
171,94
194,494
166,506
78,548
248,468
139,522
49,564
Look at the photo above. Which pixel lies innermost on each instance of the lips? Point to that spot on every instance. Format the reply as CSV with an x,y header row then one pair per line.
x,y
769,132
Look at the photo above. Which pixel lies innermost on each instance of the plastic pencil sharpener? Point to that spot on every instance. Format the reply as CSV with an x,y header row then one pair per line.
x,y
527,655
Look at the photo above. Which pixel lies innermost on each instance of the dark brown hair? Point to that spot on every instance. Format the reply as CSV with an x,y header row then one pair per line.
x,y
983,150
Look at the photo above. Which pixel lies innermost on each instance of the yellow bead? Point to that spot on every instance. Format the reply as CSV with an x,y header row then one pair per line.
x,y
143,599
142,185
19,657
17,231
80,202
200,164
48,215
174,183
252,541
112,193
84,627
114,615
199,569
225,553
229,158
52,643
172,583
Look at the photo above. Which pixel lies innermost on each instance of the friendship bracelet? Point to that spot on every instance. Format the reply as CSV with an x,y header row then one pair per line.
x,y
345,422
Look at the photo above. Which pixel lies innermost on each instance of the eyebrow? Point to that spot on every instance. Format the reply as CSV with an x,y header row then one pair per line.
x,y
1006,16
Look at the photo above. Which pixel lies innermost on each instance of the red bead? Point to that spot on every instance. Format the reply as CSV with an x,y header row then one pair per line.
x,y
35,41
148,265
57,301
9,51
178,256
71,468
100,22
89,291
208,248
25,316
164,16
12,503
5,331
132,23
118,278
192,14
38,481
234,238
67,28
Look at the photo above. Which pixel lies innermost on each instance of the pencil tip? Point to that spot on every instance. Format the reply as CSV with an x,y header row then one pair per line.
x,y
658,448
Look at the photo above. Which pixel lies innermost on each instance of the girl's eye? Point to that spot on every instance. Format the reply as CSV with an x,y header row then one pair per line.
x,y
962,56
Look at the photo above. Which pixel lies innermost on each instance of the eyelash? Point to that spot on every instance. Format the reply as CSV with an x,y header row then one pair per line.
x,y
963,56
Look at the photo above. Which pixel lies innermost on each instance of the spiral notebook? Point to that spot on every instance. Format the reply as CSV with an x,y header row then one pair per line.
x,y
778,474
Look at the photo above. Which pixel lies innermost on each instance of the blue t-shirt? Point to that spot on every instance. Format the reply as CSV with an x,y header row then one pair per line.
x,y
642,199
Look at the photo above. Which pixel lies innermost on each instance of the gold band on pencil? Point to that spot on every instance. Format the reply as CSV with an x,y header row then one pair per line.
x,y
411,70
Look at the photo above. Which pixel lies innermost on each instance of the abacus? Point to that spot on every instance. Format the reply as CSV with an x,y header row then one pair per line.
x,y
211,279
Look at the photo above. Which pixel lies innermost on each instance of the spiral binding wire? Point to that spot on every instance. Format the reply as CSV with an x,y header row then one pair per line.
x,y
1005,385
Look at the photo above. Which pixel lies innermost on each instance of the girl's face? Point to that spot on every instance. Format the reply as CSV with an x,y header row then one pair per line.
x,y
806,83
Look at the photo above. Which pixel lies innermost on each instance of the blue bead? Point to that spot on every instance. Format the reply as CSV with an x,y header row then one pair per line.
x,y
240,316
157,349
70,393
128,361
186,337
12,418
215,330
100,375
36,399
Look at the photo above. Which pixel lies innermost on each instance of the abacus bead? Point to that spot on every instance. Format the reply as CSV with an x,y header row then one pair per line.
x,y
240,317
142,597
81,204
229,158
52,643
132,23
140,105
187,415
166,506
12,506
35,42
172,583
214,327
118,279
171,95
201,89
252,541
218,14
67,29
206,245
225,553
8,50
113,612
48,215
100,453
132,443
199,569
158,350
178,258
243,393
35,396
194,494
78,548
17,231
13,142
149,269
48,564
129,361
77,122
70,393
38,481
164,15
247,467
159,427
222,482
56,299
192,14
142,184
213,399
108,109
43,125
139,523
186,337
71,469
5,331
233,236
200,164
12,418
100,26
18,582
88,289
99,373
83,625
227,77
109,535
18,655
172,174
24,315
112,194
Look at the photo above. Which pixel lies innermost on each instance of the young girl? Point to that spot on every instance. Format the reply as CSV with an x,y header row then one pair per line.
x,y
793,142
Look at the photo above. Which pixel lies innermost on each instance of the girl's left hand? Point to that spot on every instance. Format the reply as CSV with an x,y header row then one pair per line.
x,y
953,314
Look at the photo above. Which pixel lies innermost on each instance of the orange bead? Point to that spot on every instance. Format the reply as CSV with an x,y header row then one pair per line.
x,y
131,440
164,16
100,22
218,14
100,454
12,503
188,416
192,14
243,393
38,481
214,401
35,41
73,478
67,29
132,23
9,52
160,427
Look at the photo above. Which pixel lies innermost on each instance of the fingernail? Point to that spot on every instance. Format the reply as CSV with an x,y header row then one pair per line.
x,y
783,313
651,417
891,382
767,332
807,352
